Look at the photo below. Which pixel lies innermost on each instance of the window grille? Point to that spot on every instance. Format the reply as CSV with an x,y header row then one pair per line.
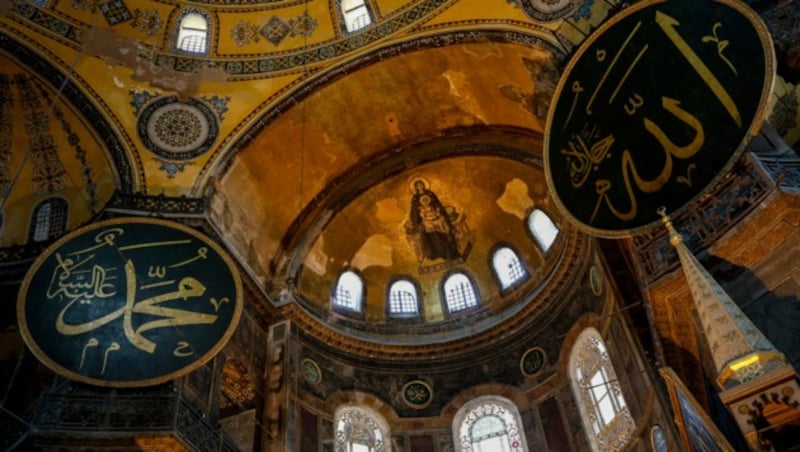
x,y
194,44
356,15
349,291
507,267
403,298
49,220
459,293
193,33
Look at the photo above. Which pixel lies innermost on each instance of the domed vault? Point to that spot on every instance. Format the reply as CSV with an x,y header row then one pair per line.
x,y
350,158
332,159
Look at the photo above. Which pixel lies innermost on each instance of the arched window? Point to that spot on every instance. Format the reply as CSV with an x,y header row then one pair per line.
x,y
359,429
193,33
606,417
349,291
489,424
543,229
403,299
49,220
507,267
356,15
459,293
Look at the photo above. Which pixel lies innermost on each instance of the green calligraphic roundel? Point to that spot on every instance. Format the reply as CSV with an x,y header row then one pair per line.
x,y
129,302
311,371
653,109
417,394
533,361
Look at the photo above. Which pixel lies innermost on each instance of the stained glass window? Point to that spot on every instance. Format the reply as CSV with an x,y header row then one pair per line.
x,y
606,417
489,424
360,430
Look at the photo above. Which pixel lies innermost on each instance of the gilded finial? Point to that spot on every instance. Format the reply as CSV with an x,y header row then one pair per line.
x,y
675,237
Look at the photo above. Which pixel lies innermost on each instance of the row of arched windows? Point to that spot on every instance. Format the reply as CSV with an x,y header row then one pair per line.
x,y
484,424
194,27
458,291
493,424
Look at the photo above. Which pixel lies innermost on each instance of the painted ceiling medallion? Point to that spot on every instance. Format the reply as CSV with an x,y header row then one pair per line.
x,y
177,130
549,10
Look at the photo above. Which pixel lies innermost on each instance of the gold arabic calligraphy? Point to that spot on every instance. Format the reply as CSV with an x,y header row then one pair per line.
x,y
79,278
586,151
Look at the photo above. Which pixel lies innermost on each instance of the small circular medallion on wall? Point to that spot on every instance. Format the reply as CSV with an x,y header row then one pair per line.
x,y
596,280
177,130
417,394
533,361
311,371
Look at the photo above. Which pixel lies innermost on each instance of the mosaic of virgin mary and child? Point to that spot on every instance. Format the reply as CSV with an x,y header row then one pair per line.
x,y
438,233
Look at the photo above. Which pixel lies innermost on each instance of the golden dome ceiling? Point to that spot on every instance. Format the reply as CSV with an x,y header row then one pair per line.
x,y
46,150
304,137
332,173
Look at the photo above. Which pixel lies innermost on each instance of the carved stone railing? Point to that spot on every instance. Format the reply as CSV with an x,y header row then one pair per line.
x,y
194,431
15,261
743,188
74,414
21,253
12,429
92,413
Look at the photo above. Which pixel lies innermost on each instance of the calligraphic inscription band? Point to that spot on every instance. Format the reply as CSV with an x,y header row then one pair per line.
x,y
653,108
129,302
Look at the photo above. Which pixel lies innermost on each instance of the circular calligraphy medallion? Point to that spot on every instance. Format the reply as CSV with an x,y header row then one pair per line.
x,y
177,130
653,109
533,361
417,394
129,302
311,371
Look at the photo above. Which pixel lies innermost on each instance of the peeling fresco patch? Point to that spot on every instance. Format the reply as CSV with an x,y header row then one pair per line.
x,y
389,211
515,199
317,260
375,252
